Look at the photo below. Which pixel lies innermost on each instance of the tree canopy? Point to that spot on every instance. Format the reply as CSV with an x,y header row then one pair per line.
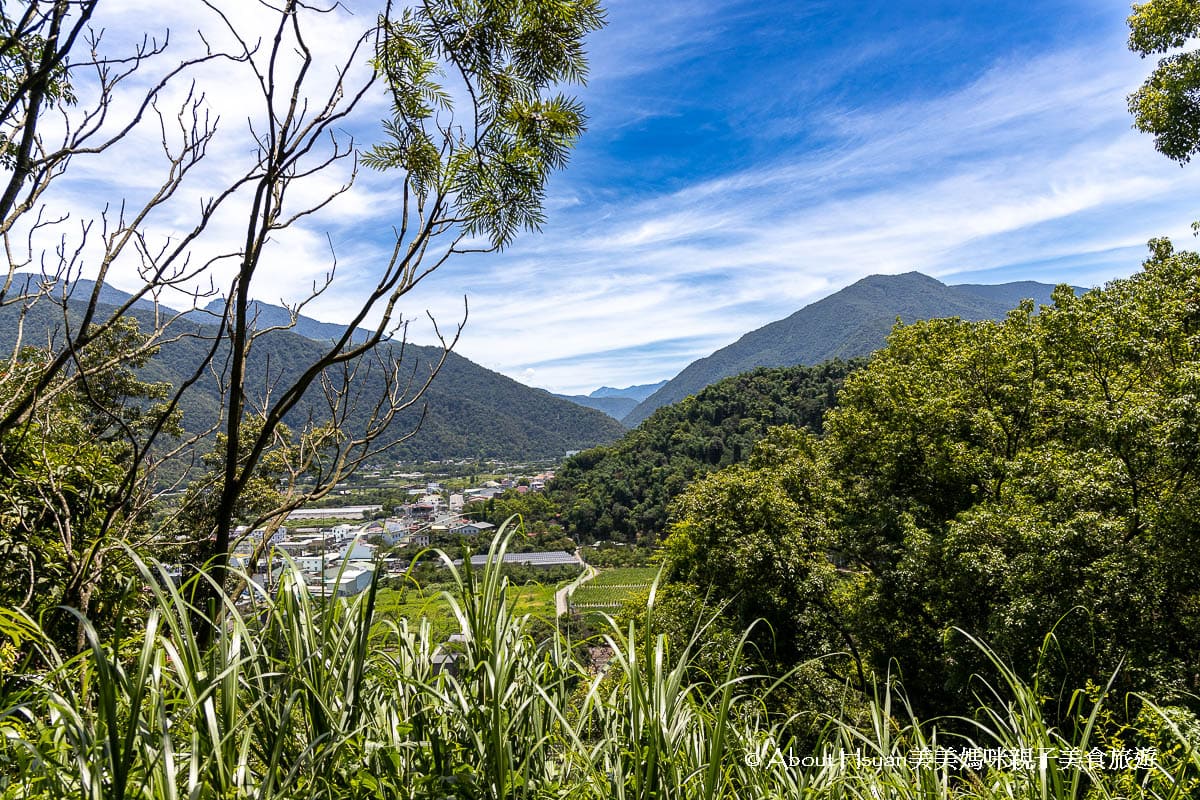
x,y
1010,479
623,491
1168,103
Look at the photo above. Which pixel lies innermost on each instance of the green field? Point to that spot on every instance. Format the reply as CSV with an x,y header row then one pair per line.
x,y
612,587
625,576
534,599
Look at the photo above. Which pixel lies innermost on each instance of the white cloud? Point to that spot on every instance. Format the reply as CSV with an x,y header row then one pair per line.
x,y
1034,161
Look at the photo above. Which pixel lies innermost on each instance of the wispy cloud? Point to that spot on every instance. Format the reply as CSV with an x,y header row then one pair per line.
x,y
743,160
1033,163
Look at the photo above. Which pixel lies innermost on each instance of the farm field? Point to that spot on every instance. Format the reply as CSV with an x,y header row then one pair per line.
x,y
535,599
612,587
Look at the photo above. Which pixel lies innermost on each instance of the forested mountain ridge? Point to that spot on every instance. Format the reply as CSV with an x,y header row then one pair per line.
x,y
850,323
467,412
623,490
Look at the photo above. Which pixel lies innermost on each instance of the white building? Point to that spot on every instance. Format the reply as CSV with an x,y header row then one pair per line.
x,y
358,550
418,539
317,563
468,528
346,582
345,512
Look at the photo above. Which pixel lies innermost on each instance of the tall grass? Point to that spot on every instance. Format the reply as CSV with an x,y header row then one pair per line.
x,y
302,698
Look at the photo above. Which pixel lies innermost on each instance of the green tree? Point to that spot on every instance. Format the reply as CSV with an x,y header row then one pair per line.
x,y
72,488
537,512
921,435
1168,103
1008,478
1031,475
757,536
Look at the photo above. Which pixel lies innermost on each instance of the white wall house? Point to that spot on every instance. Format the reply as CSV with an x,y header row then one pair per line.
x,y
358,550
468,528
347,582
317,563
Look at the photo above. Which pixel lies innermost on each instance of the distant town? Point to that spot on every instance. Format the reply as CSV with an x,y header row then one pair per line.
x,y
338,548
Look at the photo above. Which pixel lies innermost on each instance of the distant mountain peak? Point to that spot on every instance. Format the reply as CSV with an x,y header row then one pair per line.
x,y
638,393
270,315
912,276
854,321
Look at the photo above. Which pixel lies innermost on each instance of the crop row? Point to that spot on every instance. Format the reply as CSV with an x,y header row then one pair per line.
x,y
603,595
625,576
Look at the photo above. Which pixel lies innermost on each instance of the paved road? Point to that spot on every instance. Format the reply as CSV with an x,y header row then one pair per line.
x,y
562,595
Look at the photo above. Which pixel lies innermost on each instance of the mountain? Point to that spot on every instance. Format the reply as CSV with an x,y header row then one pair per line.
x,y
1009,295
623,490
617,403
26,283
269,316
615,406
849,323
468,411
638,393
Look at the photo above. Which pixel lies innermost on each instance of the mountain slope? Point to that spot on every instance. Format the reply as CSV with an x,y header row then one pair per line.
x,y
852,322
638,393
612,405
266,315
468,411
623,490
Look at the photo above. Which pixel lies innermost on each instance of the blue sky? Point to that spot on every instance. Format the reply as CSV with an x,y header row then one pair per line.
x,y
745,158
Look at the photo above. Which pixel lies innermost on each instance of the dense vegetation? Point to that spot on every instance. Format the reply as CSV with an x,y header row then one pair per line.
x,y
622,491
302,700
1038,474
536,511
310,701
63,484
